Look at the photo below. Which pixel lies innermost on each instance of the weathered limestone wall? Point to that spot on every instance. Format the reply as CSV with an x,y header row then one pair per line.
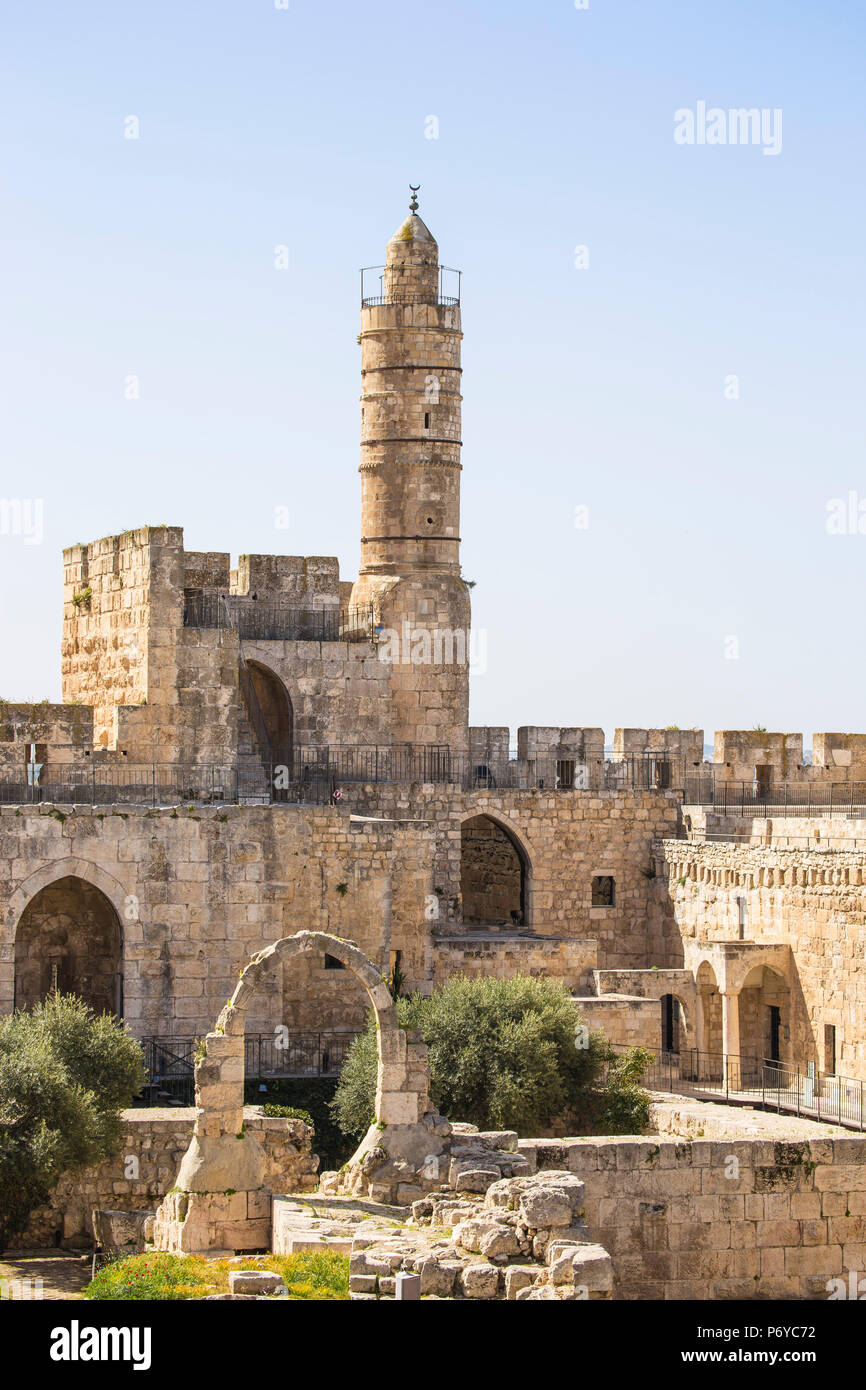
x,y
685,743
568,839
729,1219
197,891
629,1022
154,1143
566,959
812,900
62,734
288,581
737,752
548,742
118,646
340,691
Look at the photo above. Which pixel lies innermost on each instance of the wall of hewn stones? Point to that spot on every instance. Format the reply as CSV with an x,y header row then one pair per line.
x,y
568,838
501,956
340,691
146,1167
813,900
197,891
729,1219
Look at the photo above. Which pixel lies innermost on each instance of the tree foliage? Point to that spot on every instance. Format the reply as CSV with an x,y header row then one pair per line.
x,y
504,1054
65,1075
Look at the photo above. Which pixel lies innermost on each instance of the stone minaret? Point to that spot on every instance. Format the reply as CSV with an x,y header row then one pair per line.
x,y
410,490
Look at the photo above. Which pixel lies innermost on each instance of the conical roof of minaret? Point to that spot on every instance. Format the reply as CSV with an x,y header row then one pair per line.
x,y
412,229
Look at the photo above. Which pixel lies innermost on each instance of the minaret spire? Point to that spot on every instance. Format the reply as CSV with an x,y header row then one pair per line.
x,y
410,481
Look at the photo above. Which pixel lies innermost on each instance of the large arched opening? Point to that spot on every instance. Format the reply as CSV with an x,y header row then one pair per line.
x,y
266,738
494,874
220,1072
764,1009
69,941
276,710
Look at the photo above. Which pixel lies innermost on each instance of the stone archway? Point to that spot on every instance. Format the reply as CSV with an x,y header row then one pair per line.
x,y
494,873
69,940
276,709
218,1200
394,1103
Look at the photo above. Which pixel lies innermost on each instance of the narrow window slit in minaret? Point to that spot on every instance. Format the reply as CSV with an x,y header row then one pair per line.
x,y
426,419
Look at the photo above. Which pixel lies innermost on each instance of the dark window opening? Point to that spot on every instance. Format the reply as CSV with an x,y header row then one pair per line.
x,y
331,963
565,773
426,419
670,1023
775,1029
603,891
830,1049
661,774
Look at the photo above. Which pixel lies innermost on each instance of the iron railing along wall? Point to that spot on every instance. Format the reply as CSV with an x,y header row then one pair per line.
x,y
170,1062
135,784
313,773
780,799
798,1090
268,622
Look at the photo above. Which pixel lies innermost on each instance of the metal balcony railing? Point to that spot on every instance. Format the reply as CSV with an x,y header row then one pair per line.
x,y
269,622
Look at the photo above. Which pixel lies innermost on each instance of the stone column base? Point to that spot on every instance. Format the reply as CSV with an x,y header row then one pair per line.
x,y
207,1222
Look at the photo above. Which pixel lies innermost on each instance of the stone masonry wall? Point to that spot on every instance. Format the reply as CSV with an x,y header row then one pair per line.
x,y
568,838
730,1219
153,1145
198,890
812,899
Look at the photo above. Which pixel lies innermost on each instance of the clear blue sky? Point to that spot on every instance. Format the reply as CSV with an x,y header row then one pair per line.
x,y
602,387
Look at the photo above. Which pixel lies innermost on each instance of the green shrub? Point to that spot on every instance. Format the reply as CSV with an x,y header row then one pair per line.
x,y
65,1075
502,1054
312,1095
288,1112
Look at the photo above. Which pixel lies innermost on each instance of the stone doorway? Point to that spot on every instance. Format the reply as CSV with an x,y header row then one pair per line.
x,y
493,874
69,940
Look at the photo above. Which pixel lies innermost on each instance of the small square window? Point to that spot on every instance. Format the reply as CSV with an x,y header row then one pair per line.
x,y
603,891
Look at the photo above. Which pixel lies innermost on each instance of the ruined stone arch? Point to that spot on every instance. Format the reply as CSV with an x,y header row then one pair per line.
x,y
495,871
222,1067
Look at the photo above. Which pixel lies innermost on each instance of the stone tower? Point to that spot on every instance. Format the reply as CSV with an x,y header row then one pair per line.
x,y
410,490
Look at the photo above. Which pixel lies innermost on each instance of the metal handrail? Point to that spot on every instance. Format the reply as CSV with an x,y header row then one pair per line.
x,y
803,1091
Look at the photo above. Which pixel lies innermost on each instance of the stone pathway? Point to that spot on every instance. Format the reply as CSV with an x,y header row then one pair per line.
x,y
63,1274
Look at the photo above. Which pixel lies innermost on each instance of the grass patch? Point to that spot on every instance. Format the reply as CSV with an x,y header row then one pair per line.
x,y
312,1274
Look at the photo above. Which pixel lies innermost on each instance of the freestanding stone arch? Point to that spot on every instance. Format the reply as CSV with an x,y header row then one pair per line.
x,y
218,1200
394,1103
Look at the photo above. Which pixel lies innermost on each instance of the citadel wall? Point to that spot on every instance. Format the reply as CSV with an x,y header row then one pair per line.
x,y
810,900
